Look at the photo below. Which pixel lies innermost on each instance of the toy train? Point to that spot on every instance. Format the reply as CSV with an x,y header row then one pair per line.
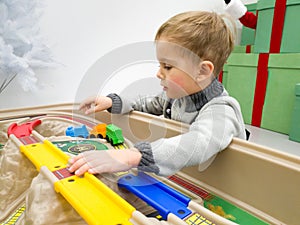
x,y
112,133
80,131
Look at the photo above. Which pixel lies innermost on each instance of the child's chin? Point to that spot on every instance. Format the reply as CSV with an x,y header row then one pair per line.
x,y
171,95
168,95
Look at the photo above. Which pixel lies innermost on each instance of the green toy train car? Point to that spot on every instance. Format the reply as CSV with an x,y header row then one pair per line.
x,y
114,134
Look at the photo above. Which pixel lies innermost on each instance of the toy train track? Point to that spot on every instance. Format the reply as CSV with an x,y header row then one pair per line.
x,y
16,215
88,195
92,199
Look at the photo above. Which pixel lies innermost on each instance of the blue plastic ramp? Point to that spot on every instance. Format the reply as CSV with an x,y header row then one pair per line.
x,y
160,196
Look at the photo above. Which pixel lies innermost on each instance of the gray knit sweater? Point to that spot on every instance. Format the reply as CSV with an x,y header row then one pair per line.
x,y
214,118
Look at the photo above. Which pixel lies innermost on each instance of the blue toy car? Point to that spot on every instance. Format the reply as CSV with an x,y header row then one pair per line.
x,y
80,131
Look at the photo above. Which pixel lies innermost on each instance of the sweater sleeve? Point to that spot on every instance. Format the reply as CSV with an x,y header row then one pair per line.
x,y
147,163
149,104
116,107
211,133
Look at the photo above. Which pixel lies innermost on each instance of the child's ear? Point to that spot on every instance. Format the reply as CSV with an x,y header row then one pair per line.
x,y
205,72
206,68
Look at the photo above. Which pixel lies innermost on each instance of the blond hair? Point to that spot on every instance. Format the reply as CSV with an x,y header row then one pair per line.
x,y
204,33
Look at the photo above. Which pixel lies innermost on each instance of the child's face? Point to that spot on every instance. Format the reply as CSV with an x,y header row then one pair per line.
x,y
177,73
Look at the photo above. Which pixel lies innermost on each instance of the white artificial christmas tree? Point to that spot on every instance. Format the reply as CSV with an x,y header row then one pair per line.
x,y
21,46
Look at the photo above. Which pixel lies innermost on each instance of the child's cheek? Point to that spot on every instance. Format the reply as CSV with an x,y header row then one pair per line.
x,y
177,82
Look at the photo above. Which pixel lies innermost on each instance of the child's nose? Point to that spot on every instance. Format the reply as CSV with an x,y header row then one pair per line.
x,y
159,74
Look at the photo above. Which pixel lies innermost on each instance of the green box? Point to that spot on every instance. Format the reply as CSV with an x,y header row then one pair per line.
x,y
290,42
284,74
225,74
239,49
265,10
295,121
241,81
291,33
248,34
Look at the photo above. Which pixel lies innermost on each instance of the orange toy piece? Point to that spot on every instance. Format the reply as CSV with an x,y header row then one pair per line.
x,y
98,131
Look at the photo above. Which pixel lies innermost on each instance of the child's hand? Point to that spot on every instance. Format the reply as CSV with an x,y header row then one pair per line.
x,y
104,161
95,104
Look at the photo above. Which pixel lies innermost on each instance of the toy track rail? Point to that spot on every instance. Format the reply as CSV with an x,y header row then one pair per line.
x,y
93,200
16,215
165,199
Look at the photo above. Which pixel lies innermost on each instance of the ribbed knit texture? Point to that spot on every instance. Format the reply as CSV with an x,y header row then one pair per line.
x,y
199,99
147,163
116,104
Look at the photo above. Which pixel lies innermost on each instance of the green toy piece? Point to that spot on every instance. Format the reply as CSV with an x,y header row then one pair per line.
x,y
114,134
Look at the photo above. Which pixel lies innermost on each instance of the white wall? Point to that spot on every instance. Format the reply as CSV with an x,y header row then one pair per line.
x,y
81,33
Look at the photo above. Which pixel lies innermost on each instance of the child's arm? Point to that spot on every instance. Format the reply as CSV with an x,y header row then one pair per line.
x,y
212,132
108,161
95,104
118,105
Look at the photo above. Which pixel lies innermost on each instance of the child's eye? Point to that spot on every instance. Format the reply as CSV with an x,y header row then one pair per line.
x,y
165,66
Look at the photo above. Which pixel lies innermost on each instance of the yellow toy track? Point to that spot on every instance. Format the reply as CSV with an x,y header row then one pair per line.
x,y
96,203
16,215
93,200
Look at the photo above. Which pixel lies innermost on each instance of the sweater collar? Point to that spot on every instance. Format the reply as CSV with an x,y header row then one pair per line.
x,y
197,100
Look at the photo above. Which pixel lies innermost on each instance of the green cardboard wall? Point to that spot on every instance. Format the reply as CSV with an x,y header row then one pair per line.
x,y
284,74
241,80
248,34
